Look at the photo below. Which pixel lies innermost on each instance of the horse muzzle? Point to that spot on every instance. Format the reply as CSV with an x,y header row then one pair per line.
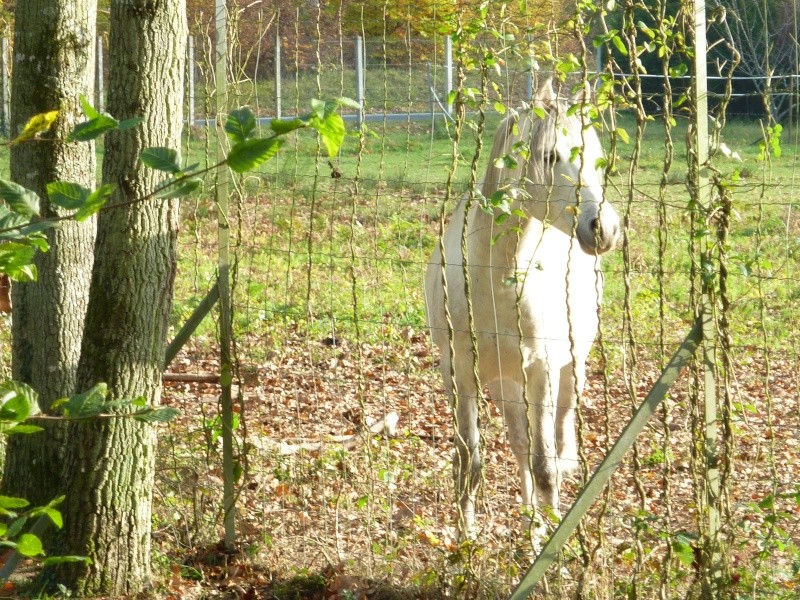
x,y
601,234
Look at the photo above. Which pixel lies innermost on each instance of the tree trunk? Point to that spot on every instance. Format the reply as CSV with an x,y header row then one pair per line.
x,y
54,45
110,462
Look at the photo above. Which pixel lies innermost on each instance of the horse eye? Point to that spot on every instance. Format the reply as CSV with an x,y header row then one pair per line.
x,y
551,157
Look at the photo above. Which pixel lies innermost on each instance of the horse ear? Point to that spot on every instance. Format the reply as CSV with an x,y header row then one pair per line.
x,y
545,96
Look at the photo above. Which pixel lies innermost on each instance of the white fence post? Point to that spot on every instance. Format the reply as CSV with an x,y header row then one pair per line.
x,y
190,71
5,83
99,90
360,94
448,72
278,91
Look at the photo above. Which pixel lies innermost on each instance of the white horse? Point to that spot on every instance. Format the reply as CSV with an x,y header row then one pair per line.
x,y
535,288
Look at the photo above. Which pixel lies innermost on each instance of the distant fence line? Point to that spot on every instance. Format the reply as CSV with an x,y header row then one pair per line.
x,y
438,83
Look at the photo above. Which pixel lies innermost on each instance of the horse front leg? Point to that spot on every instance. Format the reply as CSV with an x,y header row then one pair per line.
x,y
463,393
570,388
543,383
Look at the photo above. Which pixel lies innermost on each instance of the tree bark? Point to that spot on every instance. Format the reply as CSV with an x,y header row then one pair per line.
x,y
110,462
54,46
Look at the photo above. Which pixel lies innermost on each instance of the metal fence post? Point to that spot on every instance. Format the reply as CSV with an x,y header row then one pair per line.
x,y
99,90
223,235
360,92
190,71
448,72
5,83
712,574
278,90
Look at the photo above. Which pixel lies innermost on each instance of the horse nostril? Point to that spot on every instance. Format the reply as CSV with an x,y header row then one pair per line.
x,y
595,224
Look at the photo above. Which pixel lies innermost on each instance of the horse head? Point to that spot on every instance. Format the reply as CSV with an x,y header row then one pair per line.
x,y
563,170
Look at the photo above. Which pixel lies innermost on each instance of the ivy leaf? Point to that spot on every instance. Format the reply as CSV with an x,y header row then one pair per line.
x,y
36,124
161,159
249,154
92,129
21,200
29,545
240,125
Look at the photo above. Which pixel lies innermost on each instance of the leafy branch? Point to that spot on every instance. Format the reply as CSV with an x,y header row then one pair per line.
x,y
22,228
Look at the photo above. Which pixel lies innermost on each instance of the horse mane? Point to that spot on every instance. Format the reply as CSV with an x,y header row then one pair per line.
x,y
538,132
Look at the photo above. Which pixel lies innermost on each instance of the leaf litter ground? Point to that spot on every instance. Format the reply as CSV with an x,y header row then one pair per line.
x,y
328,510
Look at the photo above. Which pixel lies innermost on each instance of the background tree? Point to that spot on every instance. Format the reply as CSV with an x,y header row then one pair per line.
x,y
765,36
54,62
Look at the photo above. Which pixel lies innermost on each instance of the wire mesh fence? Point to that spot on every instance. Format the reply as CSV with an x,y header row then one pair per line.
x,y
344,434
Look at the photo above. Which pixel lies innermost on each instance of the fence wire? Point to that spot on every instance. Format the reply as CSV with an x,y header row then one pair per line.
x,y
345,437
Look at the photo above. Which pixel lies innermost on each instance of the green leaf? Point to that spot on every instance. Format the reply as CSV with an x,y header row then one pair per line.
x,y
180,188
29,545
90,111
682,548
318,108
348,103
11,503
21,200
54,516
59,560
23,428
16,259
95,201
623,135
17,401
240,125
247,155
16,526
88,404
284,126
67,195
619,45
161,159
332,131
129,123
157,415
92,129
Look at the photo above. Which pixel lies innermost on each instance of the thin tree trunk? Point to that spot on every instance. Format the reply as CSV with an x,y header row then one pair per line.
x,y
53,65
111,462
